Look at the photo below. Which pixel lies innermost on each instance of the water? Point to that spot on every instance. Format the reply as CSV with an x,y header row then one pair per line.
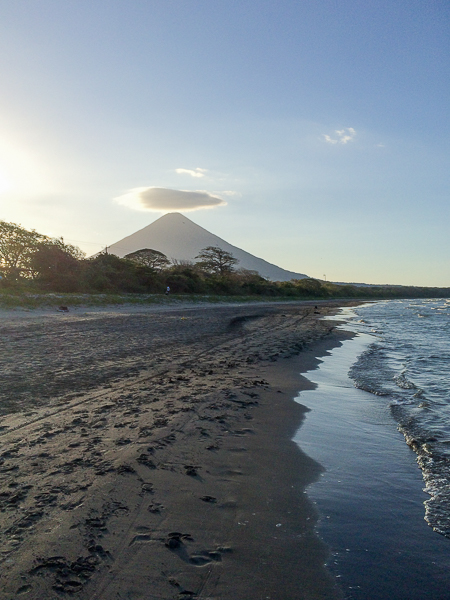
x,y
387,386
408,363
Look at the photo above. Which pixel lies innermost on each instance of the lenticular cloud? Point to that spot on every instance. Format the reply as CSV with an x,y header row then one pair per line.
x,y
164,199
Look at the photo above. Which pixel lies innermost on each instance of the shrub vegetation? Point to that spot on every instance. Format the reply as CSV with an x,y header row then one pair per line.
x,y
34,263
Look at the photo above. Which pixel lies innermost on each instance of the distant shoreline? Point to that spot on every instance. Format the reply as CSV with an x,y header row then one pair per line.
x,y
26,299
46,304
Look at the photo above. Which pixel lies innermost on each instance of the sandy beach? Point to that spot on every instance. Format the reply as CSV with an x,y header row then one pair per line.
x,y
148,454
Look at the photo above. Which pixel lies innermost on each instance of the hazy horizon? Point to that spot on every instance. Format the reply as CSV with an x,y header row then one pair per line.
x,y
311,135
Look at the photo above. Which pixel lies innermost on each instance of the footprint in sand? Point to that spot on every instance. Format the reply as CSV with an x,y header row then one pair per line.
x,y
140,538
210,499
125,469
147,488
204,558
144,459
175,542
190,470
24,589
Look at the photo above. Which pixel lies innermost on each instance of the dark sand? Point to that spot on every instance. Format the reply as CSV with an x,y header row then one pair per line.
x,y
148,455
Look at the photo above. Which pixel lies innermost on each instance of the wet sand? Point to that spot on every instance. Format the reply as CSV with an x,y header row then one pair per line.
x,y
147,454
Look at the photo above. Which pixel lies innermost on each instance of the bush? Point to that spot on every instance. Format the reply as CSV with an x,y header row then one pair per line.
x,y
109,273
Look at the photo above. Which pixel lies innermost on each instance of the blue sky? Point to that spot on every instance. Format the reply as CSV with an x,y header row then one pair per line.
x,y
316,132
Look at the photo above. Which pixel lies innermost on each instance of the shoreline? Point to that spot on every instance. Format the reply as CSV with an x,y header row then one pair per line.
x,y
370,496
51,311
177,480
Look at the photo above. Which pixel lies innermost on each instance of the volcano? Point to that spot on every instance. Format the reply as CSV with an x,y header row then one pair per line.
x,y
181,239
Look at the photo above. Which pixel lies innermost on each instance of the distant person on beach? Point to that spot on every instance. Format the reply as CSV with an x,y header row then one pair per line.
x,y
167,290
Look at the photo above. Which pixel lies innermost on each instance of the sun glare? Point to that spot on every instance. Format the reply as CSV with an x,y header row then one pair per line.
x,y
5,185
21,170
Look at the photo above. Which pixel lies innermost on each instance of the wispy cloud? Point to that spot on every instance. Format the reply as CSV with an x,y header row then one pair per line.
x,y
197,172
166,200
343,136
229,193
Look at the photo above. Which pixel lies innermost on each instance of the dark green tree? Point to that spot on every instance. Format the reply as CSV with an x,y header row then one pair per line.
x,y
153,259
214,260
57,266
308,287
109,273
185,279
17,246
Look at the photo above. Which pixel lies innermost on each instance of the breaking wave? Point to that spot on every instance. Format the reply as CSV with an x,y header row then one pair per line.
x,y
407,365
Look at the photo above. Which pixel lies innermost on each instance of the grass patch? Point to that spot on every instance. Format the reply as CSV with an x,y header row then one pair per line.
x,y
29,300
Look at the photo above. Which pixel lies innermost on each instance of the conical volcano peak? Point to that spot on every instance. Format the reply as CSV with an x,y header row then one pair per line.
x,y
172,216
175,219
179,238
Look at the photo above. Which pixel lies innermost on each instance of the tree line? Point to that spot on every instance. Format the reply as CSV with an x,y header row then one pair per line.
x,y
30,261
